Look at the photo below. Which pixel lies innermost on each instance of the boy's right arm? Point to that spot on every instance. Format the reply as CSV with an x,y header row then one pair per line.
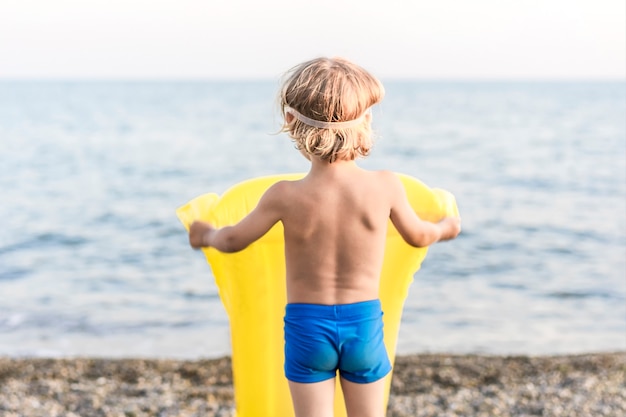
x,y
415,231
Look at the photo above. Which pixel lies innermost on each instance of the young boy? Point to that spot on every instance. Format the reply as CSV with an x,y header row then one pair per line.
x,y
335,221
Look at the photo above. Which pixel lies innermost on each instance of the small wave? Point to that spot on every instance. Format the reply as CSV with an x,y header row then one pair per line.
x,y
14,247
564,295
13,274
509,286
200,296
60,239
44,240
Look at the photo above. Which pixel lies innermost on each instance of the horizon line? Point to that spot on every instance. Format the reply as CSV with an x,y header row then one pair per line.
x,y
226,79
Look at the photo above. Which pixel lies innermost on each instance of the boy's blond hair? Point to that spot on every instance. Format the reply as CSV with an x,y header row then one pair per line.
x,y
331,90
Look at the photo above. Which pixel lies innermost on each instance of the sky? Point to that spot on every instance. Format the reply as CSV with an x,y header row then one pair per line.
x,y
259,39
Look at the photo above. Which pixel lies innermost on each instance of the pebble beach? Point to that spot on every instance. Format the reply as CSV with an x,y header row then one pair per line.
x,y
424,385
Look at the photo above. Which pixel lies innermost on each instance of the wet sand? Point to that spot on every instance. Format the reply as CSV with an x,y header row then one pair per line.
x,y
591,385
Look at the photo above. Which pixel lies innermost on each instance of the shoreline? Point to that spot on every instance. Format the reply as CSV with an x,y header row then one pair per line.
x,y
429,384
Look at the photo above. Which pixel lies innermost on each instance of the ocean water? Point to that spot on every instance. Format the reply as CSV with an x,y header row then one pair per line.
x,y
93,261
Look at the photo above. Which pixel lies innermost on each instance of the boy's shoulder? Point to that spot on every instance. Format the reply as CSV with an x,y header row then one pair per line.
x,y
387,182
283,189
385,175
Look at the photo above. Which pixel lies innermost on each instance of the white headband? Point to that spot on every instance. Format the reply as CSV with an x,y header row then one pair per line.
x,y
325,125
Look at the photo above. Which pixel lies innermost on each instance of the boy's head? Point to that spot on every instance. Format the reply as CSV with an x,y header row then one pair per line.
x,y
325,103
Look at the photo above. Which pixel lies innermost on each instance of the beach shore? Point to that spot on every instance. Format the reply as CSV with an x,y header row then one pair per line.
x,y
590,385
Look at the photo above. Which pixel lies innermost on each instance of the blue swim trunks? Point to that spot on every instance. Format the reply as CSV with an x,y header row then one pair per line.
x,y
323,339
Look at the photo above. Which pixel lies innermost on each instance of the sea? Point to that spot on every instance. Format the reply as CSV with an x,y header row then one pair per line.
x,y
94,262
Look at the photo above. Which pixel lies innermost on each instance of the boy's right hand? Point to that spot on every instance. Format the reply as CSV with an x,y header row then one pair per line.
x,y
450,227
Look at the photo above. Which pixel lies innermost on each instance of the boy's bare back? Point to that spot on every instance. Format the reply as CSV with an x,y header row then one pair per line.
x,y
335,221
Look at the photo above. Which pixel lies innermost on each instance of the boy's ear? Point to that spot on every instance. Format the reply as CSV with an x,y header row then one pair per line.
x,y
288,118
368,117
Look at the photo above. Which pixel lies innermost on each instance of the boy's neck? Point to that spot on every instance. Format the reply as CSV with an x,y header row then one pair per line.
x,y
319,165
